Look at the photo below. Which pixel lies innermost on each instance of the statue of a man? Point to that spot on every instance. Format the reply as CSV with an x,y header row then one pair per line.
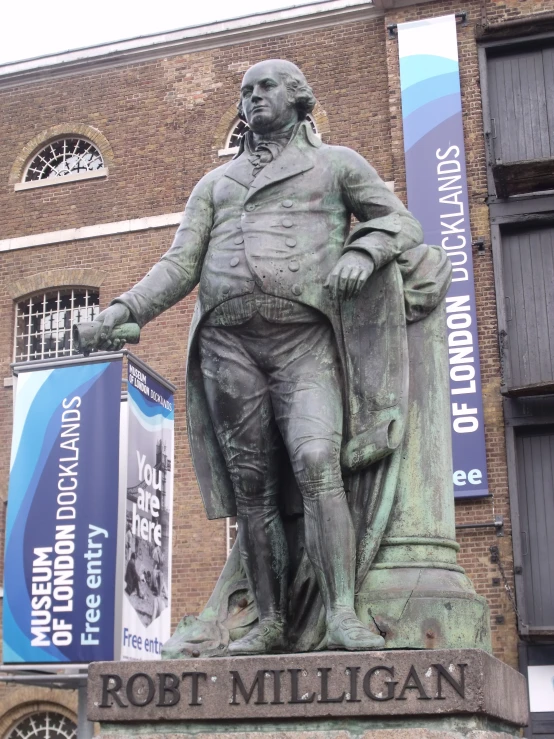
x,y
267,237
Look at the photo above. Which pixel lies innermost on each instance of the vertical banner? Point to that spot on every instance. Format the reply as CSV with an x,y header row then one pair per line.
x,y
437,196
146,605
61,534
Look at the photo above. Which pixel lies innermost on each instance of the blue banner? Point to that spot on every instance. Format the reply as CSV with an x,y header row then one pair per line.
x,y
437,196
61,536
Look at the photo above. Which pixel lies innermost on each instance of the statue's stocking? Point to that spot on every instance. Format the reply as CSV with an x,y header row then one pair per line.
x,y
330,544
264,554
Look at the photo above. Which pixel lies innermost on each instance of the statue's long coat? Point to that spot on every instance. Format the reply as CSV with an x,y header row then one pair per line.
x,y
285,231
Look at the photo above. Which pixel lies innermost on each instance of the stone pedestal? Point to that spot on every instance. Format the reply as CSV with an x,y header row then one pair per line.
x,y
428,694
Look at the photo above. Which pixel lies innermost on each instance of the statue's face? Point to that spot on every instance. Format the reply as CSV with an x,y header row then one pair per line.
x,y
265,99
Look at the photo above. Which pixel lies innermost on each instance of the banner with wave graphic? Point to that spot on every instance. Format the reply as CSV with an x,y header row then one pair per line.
x,y
438,197
61,535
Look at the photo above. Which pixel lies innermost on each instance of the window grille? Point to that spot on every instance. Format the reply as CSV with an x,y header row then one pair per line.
x,y
237,132
240,127
64,157
43,322
231,533
44,725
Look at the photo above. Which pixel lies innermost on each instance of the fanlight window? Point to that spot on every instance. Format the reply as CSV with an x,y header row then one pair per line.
x,y
237,132
44,725
43,322
67,156
239,128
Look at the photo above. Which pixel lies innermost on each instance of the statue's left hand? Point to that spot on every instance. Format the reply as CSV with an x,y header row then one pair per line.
x,y
350,274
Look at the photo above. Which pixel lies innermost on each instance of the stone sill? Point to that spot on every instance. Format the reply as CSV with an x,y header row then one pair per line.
x,y
48,181
228,152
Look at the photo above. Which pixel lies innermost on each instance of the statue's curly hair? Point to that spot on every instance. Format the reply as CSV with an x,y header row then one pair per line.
x,y
300,92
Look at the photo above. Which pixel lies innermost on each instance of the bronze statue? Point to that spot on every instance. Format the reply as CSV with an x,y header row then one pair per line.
x,y
297,372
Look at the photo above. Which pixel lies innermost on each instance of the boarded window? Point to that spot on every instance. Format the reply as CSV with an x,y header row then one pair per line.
x,y
521,98
535,463
528,275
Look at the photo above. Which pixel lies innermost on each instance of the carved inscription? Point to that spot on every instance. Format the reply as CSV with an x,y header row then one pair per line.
x,y
325,685
307,686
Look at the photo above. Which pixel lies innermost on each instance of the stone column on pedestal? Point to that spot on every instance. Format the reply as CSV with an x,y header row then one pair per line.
x,y
415,591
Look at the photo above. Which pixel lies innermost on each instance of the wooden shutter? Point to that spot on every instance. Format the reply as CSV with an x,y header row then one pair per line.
x,y
528,277
521,99
535,472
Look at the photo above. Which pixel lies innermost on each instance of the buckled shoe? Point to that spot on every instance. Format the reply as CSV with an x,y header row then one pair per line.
x,y
266,637
346,631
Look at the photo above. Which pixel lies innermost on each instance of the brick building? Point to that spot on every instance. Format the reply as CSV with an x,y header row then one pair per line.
x,y
160,111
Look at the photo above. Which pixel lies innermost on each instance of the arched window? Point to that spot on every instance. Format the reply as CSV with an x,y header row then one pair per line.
x,y
61,154
42,725
238,129
63,157
43,322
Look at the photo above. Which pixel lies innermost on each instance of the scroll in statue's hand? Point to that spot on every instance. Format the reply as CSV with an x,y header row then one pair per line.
x,y
350,274
113,316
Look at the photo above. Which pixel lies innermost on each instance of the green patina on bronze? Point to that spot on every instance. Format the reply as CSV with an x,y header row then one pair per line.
x,y
346,328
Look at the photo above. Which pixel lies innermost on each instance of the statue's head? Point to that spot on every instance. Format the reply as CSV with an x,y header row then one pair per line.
x,y
274,94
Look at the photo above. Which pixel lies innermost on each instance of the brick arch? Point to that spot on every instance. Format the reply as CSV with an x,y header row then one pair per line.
x,y
15,709
56,278
229,118
55,132
321,121
224,126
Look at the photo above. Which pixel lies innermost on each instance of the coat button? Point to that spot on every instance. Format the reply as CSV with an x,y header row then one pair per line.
x,y
234,261
225,288
290,242
294,266
250,207
287,222
296,290
239,240
287,203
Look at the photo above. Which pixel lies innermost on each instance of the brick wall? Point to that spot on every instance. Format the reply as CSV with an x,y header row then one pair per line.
x,y
159,118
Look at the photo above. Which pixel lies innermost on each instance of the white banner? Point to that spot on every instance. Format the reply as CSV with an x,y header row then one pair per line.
x,y
146,602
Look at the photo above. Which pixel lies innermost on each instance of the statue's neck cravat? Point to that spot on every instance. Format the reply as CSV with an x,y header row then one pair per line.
x,y
264,149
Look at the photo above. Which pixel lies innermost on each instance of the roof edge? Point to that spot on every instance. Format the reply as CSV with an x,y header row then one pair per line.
x,y
193,38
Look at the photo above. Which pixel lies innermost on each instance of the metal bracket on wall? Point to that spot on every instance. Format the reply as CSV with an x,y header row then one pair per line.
x,y
479,244
461,19
497,524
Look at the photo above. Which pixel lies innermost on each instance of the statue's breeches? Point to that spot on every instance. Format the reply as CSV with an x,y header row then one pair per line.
x,y
268,380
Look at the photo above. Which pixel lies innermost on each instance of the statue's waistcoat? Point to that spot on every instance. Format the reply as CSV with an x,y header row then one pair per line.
x,y
282,231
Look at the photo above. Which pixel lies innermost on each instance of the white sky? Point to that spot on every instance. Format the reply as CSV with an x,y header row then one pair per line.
x,y
30,28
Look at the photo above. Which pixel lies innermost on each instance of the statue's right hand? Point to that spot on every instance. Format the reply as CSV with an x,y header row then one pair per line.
x,y
113,316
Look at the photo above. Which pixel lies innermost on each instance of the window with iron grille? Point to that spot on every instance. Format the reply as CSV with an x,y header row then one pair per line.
x,y
44,725
43,322
65,156
239,128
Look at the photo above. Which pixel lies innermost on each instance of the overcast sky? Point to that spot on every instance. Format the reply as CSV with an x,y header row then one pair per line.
x,y
30,28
